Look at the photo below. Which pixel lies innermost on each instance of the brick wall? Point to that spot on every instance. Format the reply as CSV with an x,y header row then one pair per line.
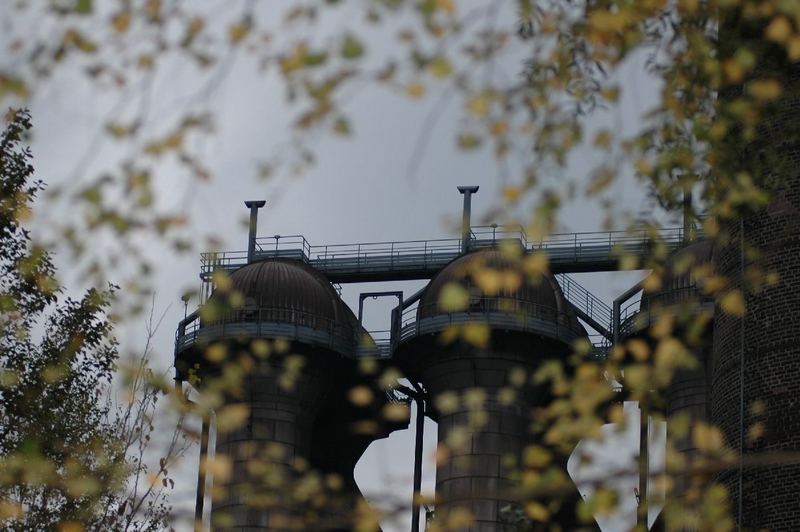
x,y
768,337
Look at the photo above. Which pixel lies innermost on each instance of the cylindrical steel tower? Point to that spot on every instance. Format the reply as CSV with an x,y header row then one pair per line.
x,y
284,393
529,324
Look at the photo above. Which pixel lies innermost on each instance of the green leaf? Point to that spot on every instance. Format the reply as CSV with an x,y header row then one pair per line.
x,y
441,67
469,141
341,126
352,48
83,7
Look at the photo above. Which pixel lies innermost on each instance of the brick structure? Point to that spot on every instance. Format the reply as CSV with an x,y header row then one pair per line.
x,y
763,347
766,339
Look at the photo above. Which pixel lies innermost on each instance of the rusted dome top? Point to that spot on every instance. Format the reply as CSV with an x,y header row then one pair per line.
x,y
543,299
284,284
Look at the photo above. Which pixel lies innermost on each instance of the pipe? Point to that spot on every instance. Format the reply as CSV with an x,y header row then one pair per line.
x,y
465,216
418,394
201,476
420,428
414,298
644,464
615,324
251,238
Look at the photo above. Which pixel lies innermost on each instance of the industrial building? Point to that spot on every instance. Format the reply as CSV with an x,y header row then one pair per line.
x,y
288,292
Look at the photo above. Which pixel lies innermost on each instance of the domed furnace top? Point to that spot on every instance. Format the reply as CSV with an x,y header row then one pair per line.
x,y
287,291
290,284
543,299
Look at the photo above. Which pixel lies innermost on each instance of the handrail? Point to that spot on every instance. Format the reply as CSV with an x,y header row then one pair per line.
x,y
656,302
594,307
506,309
573,246
339,336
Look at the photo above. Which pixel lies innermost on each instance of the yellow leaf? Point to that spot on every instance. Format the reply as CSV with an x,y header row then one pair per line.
x,y
603,138
145,61
10,510
506,396
663,326
639,349
474,398
651,283
477,334
415,90
793,48
440,67
537,456
447,402
238,31
232,417
499,128
469,141
216,353
537,511
488,280
733,303
459,518
396,412
707,438
121,21
733,71
360,395
765,89
511,193
536,264
779,29
219,466
446,5
607,21
260,348
453,298
478,105
70,526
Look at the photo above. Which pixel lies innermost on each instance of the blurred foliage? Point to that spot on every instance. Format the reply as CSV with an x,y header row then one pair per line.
x,y
723,68
67,449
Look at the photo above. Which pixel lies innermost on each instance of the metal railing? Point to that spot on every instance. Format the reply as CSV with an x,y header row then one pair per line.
x,y
499,312
356,262
268,322
375,344
601,347
584,301
639,313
